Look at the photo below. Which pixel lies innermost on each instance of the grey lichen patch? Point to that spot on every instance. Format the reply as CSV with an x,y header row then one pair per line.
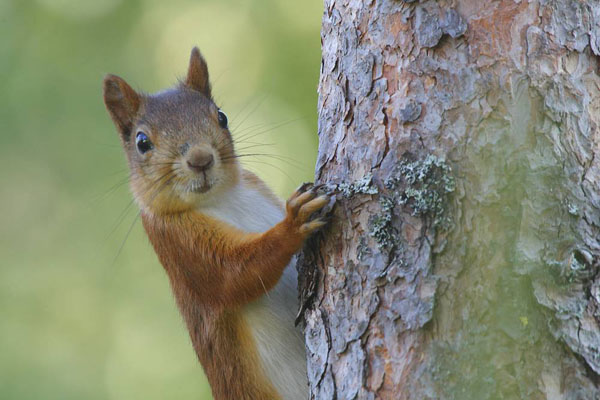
x,y
362,186
380,226
578,266
423,186
572,209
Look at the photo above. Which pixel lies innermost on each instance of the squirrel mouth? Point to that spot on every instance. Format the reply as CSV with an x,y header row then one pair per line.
x,y
199,187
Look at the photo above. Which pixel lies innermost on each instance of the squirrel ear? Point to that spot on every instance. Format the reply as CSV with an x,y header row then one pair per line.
x,y
122,103
197,76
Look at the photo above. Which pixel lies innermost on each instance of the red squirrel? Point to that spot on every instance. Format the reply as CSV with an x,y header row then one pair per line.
x,y
222,236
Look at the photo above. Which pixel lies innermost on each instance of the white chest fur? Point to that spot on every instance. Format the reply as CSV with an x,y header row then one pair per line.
x,y
271,318
246,209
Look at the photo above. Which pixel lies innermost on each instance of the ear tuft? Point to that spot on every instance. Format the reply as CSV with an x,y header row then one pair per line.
x,y
197,76
122,103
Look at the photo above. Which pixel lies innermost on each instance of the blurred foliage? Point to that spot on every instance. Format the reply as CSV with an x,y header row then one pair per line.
x,y
86,308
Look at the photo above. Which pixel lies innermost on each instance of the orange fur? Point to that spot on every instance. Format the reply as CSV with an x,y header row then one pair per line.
x,y
226,267
214,270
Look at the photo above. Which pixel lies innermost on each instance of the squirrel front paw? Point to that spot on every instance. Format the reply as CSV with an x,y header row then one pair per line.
x,y
301,205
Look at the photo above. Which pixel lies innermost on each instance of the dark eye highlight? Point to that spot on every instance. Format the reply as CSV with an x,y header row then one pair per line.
x,y
143,143
222,119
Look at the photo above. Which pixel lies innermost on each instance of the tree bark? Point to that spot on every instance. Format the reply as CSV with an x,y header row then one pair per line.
x,y
462,260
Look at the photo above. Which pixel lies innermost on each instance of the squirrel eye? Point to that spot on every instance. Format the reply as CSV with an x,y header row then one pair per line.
x,y
142,142
222,119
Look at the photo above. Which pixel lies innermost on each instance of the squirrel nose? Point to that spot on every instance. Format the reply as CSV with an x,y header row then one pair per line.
x,y
200,160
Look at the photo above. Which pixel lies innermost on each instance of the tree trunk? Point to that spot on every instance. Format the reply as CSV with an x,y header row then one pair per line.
x,y
462,260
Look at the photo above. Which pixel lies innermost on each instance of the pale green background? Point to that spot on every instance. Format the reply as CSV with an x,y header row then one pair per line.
x,y
78,319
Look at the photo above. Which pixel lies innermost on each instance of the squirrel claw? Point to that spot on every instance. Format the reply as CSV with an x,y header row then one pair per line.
x,y
304,187
312,226
312,206
302,205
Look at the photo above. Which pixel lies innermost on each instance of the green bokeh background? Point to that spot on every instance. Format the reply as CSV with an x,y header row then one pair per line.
x,y
85,309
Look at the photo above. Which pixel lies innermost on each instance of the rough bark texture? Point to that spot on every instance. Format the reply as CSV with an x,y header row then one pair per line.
x,y
462,262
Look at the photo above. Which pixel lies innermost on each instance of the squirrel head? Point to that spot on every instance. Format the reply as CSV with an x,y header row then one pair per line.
x,y
178,144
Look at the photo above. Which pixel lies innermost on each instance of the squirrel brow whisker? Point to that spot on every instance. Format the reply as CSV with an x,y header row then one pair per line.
x,y
126,237
287,160
277,125
252,111
272,166
120,218
110,190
